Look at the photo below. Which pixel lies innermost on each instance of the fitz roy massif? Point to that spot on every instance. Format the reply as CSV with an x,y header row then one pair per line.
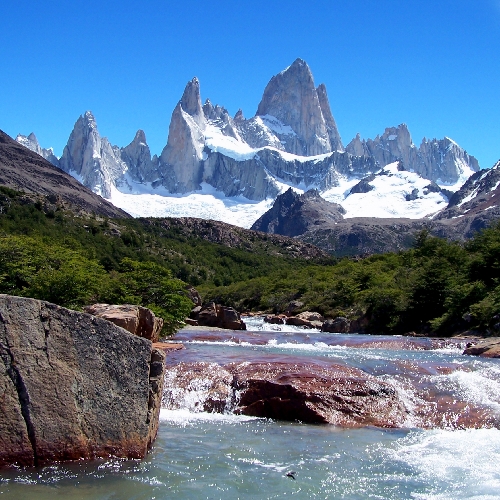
x,y
233,168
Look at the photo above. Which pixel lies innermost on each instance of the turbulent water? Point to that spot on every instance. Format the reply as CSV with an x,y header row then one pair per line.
x,y
210,456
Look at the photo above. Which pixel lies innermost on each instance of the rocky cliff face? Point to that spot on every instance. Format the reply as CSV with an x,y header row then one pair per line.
x,y
292,139
477,203
91,158
436,160
293,109
74,386
137,157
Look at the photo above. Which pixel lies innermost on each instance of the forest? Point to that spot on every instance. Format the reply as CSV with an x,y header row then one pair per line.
x,y
437,287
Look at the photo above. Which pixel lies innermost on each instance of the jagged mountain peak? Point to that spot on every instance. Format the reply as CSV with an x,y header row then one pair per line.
x,y
88,119
191,99
292,98
140,137
31,142
239,115
298,66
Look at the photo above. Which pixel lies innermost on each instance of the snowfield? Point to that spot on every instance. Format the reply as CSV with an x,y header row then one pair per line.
x,y
205,204
387,199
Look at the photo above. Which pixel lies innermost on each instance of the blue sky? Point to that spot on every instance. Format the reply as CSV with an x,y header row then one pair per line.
x,y
434,65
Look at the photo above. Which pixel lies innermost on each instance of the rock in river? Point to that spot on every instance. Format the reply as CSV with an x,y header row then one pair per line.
x,y
73,386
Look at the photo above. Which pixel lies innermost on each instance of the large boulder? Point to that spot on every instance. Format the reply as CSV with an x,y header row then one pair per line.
x,y
135,319
215,315
306,319
337,325
73,386
487,348
312,392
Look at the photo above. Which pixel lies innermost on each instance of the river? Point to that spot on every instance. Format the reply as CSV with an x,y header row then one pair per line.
x,y
200,455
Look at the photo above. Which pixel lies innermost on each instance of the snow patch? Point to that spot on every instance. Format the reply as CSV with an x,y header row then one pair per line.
x,y
216,141
205,204
276,125
388,198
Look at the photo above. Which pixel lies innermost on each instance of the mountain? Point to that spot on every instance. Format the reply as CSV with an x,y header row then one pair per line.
x,y
91,159
312,219
292,141
23,170
31,142
442,161
294,214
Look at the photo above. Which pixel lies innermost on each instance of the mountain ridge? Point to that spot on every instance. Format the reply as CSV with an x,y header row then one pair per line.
x,y
256,158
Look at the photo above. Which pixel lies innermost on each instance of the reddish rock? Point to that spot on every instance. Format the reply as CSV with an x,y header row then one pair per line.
x,y
135,319
487,348
199,386
167,346
306,319
316,393
275,319
308,392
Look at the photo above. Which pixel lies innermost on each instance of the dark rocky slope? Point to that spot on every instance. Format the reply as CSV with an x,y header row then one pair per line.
x,y
234,236
313,220
24,170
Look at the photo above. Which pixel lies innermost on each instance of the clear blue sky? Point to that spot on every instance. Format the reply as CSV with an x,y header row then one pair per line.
x,y
432,64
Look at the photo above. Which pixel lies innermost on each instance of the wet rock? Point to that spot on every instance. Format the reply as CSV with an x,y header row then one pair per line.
x,y
198,386
487,348
315,393
135,319
278,319
74,386
306,319
337,325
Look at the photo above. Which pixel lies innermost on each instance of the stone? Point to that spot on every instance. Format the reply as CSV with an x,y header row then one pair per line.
x,y
75,386
31,142
137,157
24,170
293,214
487,348
138,320
215,315
314,393
229,318
278,319
307,392
310,316
293,109
337,325
434,159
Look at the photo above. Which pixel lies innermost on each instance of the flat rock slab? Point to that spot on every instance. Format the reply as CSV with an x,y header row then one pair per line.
x,y
72,386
